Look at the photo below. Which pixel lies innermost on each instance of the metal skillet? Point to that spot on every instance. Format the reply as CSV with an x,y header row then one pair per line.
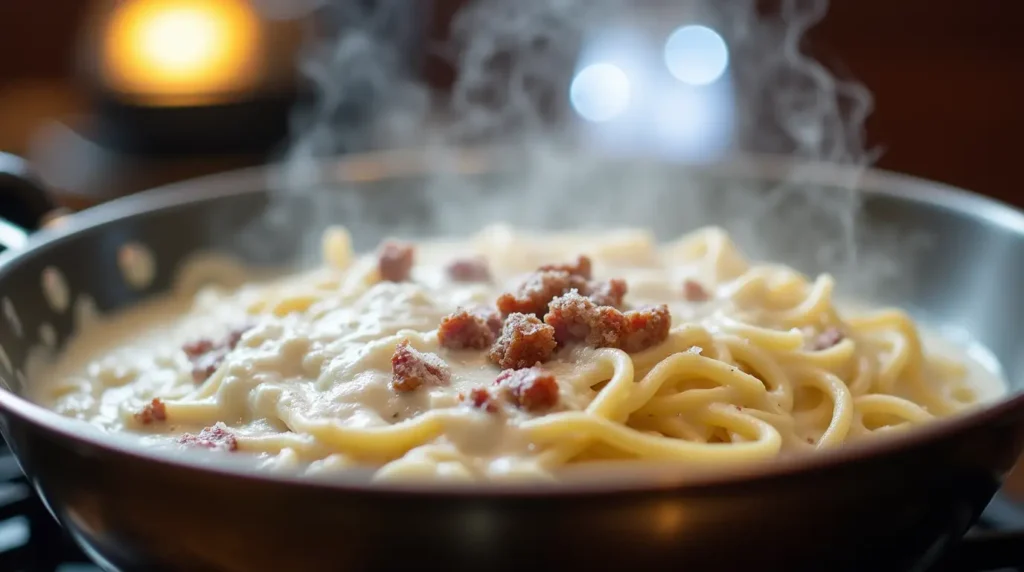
x,y
896,504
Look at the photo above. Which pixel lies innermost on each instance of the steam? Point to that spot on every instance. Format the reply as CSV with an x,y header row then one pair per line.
x,y
514,62
808,112
365,94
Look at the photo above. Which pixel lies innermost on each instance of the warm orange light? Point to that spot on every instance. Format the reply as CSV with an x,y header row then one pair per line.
x,y
181,51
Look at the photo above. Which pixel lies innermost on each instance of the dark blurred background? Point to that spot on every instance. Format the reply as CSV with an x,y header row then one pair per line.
x,y
947,80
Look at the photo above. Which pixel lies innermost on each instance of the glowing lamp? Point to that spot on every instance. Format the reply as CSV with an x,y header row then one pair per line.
x,y
181,52
192,76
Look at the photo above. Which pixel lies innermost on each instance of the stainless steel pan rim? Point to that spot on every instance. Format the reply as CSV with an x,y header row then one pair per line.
x,y
654,476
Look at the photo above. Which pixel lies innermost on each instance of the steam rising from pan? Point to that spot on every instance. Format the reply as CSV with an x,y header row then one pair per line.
x,y
515,62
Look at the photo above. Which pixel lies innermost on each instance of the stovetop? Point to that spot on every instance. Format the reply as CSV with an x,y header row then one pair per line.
x,y
32,541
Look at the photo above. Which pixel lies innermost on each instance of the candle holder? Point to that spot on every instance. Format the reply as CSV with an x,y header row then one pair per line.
x,y
191,76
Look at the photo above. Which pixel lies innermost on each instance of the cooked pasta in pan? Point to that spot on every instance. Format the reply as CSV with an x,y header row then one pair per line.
x,y
511,355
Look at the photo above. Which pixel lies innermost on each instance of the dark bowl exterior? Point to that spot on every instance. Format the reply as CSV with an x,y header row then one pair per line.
x,y
895,506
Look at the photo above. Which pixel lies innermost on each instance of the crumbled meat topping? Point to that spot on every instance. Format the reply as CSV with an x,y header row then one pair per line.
x,y
204,365
480,398
469,329
395,260
153,411
577,318
524,341
216,437
608,292
646,328
826,339
531,389
492,316
411,368
206,355
469,270
197,348
534,294
693,291
582,268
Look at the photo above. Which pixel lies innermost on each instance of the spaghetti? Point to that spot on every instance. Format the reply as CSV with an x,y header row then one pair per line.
x,y
350,365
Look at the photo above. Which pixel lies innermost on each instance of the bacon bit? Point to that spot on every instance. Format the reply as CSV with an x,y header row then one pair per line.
x,y
207,355
524,341
216,437
153,411
394,260
553,280
693,291
235,336
480,398
196,348
492,316
469,270
647,328
468,329
532,389
575,317
204,366
534,294
608,293
411,368
582,268
826,339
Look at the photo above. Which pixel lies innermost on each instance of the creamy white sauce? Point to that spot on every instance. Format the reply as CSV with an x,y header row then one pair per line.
x,y
321,345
